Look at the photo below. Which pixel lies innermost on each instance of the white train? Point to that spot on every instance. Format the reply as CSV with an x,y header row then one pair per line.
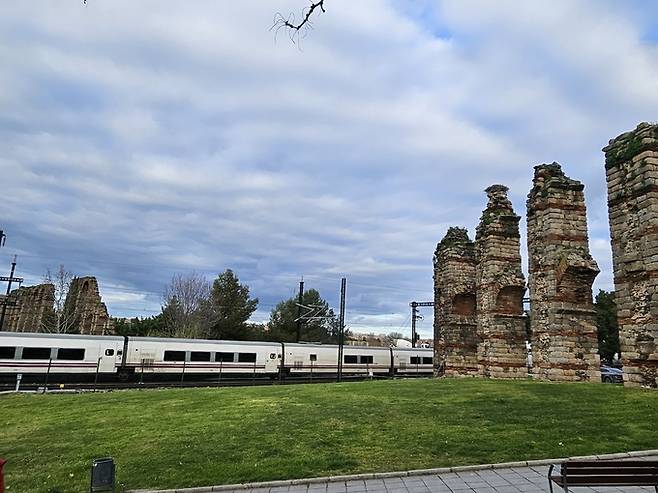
x,y
80,357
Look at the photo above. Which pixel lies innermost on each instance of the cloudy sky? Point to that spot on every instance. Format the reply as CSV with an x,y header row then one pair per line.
x,y
145,138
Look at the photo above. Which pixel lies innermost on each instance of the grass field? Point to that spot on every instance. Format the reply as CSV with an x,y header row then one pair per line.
x,y
196,437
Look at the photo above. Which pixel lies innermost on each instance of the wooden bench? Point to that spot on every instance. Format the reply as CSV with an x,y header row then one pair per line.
x,y
574,473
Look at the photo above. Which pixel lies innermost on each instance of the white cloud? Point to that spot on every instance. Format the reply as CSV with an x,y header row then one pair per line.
x,y
145,138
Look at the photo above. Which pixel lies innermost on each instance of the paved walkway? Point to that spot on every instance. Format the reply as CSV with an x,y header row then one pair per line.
x,y
524,479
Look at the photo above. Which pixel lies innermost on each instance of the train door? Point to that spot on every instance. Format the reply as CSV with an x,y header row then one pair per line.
x,y
107,357
272,362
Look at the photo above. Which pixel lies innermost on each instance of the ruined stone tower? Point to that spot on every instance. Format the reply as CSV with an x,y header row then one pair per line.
x,y
500,286
561,273
631,162
84,307
33,309
455,325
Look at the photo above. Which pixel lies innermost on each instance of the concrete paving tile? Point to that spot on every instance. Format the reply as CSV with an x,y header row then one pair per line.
x,y
476,484
507,489
397,489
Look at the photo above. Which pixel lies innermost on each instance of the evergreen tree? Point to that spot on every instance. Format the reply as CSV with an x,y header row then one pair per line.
x,y
283,327
230,308
606,324
141,327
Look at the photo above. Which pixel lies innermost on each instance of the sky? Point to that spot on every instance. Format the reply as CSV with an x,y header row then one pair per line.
x,y
143,139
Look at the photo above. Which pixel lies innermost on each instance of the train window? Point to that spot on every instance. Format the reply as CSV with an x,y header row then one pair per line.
x,y
36,353
7,352
174,355
314,357
199,356
427,360
69,353
272,356
247,357
109,352
415,360
350,358
365,360
225,357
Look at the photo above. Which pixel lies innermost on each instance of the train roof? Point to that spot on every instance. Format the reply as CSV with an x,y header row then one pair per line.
x,y
41,335
413,349
351,346
205,341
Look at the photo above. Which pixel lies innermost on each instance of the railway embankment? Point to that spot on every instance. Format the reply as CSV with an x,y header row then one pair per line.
x,y
196,437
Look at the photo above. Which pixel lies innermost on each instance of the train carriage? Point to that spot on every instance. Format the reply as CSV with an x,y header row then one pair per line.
x,y
322,359
413,361
154,356
64,356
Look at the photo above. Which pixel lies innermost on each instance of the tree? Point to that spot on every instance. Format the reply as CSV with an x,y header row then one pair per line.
x,y
141,327
63,321
392,337
607,326
230,307
318,325
186,301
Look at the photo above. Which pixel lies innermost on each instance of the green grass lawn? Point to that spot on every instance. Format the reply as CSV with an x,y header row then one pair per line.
x,y
196,437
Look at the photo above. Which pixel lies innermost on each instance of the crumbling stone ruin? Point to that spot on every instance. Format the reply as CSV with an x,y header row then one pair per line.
x,y
631,163
455,325
500,286
33,309
83,312
561,274
84,307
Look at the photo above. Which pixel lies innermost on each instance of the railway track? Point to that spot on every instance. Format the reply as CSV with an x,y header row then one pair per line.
x,y
56,387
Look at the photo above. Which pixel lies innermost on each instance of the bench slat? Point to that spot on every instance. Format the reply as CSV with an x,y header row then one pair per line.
x,y
612,470
611,463
637,480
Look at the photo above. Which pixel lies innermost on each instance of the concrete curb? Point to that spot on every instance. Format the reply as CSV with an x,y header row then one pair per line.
x,y
397,474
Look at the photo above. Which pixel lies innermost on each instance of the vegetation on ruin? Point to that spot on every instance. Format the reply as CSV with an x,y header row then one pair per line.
x,y
455,236
624,153
195,437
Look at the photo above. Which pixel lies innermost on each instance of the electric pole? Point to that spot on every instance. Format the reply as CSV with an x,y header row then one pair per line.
x,y
300,300
9,280
416,316
341,328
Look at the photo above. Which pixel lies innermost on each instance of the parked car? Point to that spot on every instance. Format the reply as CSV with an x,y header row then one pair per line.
x,y
611,375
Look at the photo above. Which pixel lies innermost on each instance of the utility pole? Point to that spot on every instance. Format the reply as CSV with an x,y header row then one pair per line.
x,y
341,328
9,280
300,300
416,316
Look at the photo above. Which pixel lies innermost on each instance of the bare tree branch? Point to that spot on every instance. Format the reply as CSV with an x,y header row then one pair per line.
x,y
296,31
64,322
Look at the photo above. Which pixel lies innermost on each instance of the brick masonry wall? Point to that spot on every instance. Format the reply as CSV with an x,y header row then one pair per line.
x,y
33,311
561,273
631,162
84,307
500,286
455,326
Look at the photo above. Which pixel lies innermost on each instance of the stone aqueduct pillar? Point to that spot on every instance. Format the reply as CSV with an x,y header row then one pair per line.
x,y
631,162
455,325
561,273
500,286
